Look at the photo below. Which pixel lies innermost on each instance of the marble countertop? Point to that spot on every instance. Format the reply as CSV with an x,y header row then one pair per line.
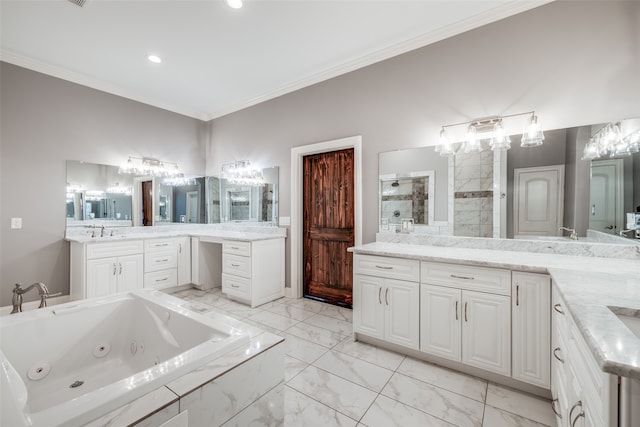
x,y
588,285
249,234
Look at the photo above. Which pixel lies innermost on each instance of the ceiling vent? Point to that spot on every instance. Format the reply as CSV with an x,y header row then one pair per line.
x,y
78,2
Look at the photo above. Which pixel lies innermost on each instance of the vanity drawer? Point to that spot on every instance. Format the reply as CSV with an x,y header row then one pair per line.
x,y
236,247
161,279
114,249
237,265
236,286
156,261
392,268
154,245
491,280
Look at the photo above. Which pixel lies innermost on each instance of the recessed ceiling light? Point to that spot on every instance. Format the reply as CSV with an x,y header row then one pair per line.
x,y
235,4
154,58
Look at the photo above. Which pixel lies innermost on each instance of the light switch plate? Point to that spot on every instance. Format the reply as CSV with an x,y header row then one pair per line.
x,y
284,220
16,223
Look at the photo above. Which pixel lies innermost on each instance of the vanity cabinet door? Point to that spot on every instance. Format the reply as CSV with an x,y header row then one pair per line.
x,y
102,277
368,308
130,273
184,261
402,301
531,329
486,331
440,327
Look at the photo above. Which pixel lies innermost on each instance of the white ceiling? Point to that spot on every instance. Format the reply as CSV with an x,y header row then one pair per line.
x,y
217,60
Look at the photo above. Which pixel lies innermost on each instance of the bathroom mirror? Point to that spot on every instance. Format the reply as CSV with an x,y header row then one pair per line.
x,y
250,203
413,169
97,195
406,197
181,200
561,147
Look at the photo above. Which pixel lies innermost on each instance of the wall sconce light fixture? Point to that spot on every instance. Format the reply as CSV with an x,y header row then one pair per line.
x,y
242,173
149,166
609,140
491,129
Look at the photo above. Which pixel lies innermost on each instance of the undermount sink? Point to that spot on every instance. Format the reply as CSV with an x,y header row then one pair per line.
x,y
630,317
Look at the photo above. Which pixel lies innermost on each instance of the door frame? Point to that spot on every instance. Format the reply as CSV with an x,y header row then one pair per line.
x,y
297,177
560,170
618,164
136,200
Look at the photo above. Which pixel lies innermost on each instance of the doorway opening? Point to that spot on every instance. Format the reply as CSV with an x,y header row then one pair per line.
x,y
147,203
297,203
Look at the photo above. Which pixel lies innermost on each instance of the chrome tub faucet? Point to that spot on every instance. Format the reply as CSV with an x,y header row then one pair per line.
x,y
18,291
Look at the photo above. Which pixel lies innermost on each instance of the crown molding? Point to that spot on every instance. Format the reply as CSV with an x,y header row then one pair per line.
x,y
484,18
93,83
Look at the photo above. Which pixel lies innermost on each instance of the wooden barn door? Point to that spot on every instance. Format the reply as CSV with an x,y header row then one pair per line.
x,y
328,193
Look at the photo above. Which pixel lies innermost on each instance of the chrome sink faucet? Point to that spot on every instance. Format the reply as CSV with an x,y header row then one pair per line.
x,y
42,291
573,235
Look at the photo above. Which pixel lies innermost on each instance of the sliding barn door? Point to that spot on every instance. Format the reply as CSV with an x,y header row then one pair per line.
x,y
328,226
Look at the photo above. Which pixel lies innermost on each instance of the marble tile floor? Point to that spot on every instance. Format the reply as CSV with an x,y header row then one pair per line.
x,y
330,380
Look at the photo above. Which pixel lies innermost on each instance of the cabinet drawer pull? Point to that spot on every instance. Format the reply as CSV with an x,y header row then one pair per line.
x,y
558,308
553,408
578,403
164,279
465,312
386,296
380,295
235,265
456,310
462,277
555,354
575,420
517,294
234,247
160,245
384,267
179,248
162,260
235,286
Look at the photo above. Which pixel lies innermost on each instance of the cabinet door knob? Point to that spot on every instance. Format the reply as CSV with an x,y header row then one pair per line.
x,y
114,268
120,265
179,248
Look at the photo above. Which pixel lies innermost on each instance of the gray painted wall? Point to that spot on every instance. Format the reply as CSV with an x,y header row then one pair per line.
x,y
544,59
46,121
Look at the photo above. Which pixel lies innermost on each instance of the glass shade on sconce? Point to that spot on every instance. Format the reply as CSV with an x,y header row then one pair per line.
x,y
532,135
445,147
591,150
500,140
472,143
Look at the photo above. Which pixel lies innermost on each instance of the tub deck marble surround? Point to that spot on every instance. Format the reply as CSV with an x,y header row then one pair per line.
x,y
588,285
330,380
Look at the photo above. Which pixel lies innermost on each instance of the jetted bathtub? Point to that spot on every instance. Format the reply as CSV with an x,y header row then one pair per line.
x,y
68,364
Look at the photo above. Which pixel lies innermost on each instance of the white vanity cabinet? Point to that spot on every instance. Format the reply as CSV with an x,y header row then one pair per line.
x,y
167,262
253,272
582,395
100,269
465,315
531,328
386,299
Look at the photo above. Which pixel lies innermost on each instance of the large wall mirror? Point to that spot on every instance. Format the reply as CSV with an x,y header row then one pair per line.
x,y
248,202
532,192
98,195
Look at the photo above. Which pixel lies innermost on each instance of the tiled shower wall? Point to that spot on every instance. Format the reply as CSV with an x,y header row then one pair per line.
x,y
473,194
408,199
